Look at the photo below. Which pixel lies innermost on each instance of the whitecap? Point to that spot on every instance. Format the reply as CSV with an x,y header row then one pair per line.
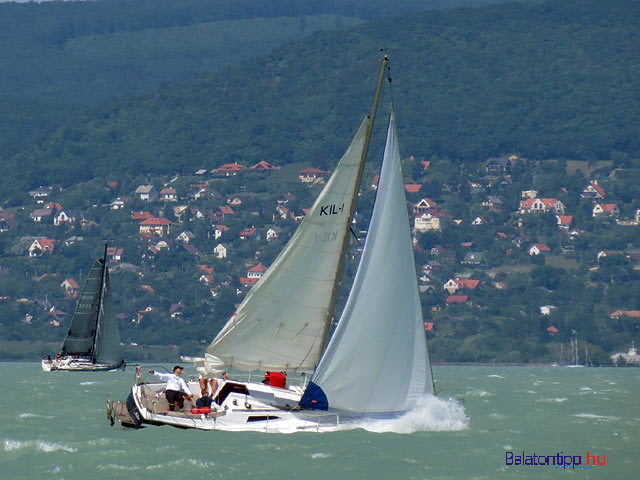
x,y
320,455
494,376
432,414
478,393
42,445
89,383
592,416
507,447
556,400
35,415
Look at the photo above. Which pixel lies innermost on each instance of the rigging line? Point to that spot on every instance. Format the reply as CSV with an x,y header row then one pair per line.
x,y
389,79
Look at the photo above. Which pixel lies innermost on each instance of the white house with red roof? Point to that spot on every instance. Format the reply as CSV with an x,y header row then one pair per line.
x,y
564,221
312,175
605,210
156,226
542,205
593,191
424,205
40,246
70,288
229,169
538,248
455,284
168,194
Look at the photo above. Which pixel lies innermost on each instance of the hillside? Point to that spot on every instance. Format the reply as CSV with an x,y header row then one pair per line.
x,y
553,80
61,58
518,129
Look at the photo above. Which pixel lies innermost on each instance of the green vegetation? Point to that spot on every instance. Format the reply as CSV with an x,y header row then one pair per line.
x,y
556,83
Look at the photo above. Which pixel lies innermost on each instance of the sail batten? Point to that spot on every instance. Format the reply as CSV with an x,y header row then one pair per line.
x,y
282,321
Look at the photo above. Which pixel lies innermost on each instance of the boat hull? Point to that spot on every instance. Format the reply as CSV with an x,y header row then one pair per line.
x,y
240,407
78,365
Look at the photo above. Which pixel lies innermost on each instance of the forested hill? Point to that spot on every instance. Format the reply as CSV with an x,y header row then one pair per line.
x,y
58,58
558,79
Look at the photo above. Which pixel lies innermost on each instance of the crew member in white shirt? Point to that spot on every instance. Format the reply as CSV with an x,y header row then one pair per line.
x,y
177,389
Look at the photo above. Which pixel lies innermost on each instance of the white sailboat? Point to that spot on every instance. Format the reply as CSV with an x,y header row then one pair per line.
x,y
93,340
376,364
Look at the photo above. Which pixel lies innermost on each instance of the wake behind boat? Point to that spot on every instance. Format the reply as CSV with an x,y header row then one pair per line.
x,y
376,363
93,340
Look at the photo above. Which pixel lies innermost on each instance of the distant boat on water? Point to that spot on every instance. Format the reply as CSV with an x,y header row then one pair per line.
x,y
93,340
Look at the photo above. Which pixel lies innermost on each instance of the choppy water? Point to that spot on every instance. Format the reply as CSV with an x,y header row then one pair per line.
x,y
53,425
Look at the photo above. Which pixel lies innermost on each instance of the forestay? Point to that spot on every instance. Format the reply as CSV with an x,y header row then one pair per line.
x,y
282,322
377,360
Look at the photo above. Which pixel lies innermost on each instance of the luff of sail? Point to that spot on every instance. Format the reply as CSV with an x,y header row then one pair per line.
x,y
281,323
377,359
81,337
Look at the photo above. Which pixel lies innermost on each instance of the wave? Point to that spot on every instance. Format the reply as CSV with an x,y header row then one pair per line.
x,y
35,415
432,414
592,416
41,445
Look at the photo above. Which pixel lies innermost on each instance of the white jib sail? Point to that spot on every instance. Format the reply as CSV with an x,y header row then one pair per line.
x,y
281,322
377,360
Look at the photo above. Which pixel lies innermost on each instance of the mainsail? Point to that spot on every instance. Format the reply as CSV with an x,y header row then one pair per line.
x,y
81,336
377,359
282,323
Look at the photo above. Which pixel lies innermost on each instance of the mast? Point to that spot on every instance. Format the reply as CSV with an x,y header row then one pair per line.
x,y
374,108
98,315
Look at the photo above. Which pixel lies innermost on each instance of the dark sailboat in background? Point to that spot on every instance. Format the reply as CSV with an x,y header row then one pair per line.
x,y
93,340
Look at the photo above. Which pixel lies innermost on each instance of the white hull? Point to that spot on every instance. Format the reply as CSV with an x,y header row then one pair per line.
x,y
244,407
77,365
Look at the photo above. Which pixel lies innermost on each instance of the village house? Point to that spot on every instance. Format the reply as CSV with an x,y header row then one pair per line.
x,y
479,221
156,226
286,198
475,258
221,251
70,288
185,237
605,210
64,216
73,239
119,203
538,248
176,309
547,309
427,222
115,254
424,205
493,203
457,299
40,246
593,191
224,211
541,205
263,166
564,221
499,164
412,188
40,194
229,169
219,231
250,233
41,214
281,212
168,194
253,275
273,233
528,193
312,175
455,284
147,193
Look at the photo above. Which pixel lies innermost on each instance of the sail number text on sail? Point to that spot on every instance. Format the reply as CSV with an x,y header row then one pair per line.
x,y
331,209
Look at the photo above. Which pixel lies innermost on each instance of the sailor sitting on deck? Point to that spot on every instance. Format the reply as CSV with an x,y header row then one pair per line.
x,y
275,379
212,381
176,390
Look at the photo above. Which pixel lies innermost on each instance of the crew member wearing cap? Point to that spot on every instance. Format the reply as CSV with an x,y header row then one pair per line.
x,y
176,390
